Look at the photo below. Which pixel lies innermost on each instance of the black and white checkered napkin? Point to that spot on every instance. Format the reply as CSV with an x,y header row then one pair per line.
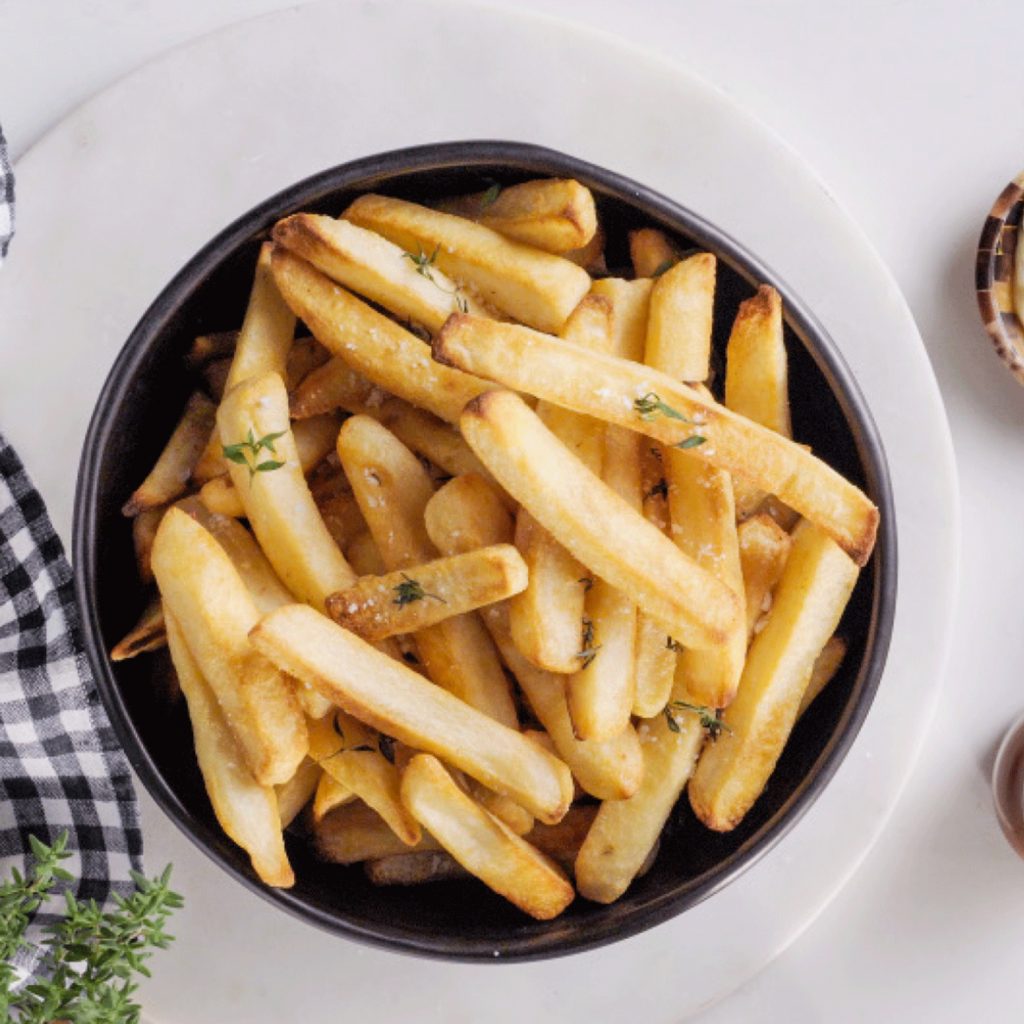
x,y
61,768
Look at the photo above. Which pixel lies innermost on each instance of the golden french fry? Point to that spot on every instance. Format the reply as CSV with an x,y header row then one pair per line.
x,y
267,330
354,833
354,757
620,391
370,343
650,252
602,691
625,831
148,634
465,514
169,476
537,288
206,347
215,376
503,807
247,811
1018,280
220,497
330,794
364,557
144,527
826,665
416,868
591,256
483,845
293,795
392,489
756,367
211,462
656,657
764,548
305,356
204,592
277,501
406,601
553,214
807,605
546,617
679,326
371,266
600,528
397,701
700,501
630,302
335,385
655,486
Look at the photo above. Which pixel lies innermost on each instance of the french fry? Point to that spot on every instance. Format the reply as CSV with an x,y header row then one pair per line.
x,y
537,288
630,303
392,489
247,811
277,502
352,755
204,593
655,486
335,385
680,321
267,330
700,501
625,831
206,347
403,602
144,527
826,665
371,266
466,514
294,794
148,634
764,548
562,842
364,557
370,343
650,252
545,618
416,868
756,367
553,214
656,657
395,700
169,476
330,794
483,845
353,833
211,462
601,529
808,603
1018,280
591,256
220,497
610,388
503,807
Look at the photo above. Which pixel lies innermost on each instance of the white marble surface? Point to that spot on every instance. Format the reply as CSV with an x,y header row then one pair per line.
x,y
902,107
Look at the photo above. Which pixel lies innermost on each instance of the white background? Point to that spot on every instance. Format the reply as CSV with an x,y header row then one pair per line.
x,y
912,113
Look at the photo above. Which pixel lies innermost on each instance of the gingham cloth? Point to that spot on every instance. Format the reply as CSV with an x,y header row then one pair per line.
x,y
60,765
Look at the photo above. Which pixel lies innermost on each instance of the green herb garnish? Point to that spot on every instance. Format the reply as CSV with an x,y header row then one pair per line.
x,y
422,261
665,265
651,406
90,957
410,590
246,453
490,196
710,722
588,650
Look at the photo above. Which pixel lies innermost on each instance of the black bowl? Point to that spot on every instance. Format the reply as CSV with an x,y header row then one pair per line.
x,y
144,395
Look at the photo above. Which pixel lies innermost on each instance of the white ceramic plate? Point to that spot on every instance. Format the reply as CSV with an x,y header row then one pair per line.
x,y
116,198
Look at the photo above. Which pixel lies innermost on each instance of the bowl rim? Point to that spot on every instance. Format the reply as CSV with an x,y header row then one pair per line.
x,y
1005,327
525,158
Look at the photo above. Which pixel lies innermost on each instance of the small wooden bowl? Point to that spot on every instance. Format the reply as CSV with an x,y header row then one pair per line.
x,y
995,268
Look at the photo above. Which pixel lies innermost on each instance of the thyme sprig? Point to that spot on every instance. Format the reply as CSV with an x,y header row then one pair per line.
x,y
710,721
588,649
424,266
490,197
651,405
246,453
90,957
410,590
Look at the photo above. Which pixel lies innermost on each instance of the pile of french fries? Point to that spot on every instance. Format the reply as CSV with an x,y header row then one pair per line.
x,y
462,567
